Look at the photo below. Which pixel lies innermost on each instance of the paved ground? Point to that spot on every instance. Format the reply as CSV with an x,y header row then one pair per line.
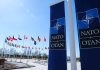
x,y
39,65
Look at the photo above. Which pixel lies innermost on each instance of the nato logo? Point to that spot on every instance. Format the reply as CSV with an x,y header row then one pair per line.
x,y
89,19
57,26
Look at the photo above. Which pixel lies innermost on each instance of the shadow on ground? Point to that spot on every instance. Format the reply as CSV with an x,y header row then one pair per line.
x,y
14,65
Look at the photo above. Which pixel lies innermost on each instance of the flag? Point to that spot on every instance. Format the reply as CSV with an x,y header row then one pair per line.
x,y
25,37
5,40
14,38
32,38
34,42
39,39
19,37
44,39
8,38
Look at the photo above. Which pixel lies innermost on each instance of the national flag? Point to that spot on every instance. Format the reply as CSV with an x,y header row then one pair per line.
x,y
14,38
34,42
25,37
44,39
39,39
8,38
19,37
32,38
5,40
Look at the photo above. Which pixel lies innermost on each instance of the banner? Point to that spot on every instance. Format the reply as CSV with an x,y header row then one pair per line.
x,y
57,47
88,22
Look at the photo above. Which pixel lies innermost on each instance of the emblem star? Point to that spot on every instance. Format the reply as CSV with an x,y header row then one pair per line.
x,y
57,26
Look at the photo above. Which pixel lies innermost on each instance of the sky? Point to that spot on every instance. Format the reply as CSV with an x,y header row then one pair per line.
x,y
30,18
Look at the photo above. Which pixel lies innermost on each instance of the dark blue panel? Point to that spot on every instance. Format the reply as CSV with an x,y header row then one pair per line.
x,y
57,47
55,14
83,5
57,60
90,59
88,22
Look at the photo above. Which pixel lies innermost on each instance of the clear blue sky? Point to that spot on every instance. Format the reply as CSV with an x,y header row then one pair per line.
x,y
27,17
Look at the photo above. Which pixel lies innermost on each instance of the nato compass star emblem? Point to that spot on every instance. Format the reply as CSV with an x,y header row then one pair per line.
x,y
57,26
89,19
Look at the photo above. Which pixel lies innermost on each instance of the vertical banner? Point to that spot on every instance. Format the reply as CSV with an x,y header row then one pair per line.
x,y
57,47
88,22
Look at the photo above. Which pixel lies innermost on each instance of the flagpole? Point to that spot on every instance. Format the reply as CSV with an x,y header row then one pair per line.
x,y
71,32
27,55
15,54
3,50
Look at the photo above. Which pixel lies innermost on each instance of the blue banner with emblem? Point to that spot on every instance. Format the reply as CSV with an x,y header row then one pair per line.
x,y
88,22
57,47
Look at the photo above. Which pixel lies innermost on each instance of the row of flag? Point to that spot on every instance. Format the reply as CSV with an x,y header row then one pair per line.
x,y
19,46
25,38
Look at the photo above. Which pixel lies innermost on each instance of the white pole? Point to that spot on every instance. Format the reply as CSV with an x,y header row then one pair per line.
x,y
71,32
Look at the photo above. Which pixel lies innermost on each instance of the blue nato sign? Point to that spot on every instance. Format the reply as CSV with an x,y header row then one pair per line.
x,y
88,22
57,46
